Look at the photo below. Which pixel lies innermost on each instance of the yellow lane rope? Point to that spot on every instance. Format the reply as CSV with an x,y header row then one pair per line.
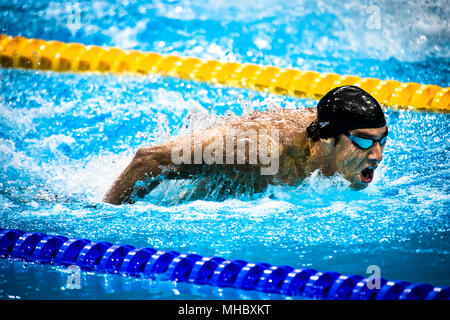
x,y
20,52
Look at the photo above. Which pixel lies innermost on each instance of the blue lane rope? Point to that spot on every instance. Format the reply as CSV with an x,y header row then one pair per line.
x,y
215,271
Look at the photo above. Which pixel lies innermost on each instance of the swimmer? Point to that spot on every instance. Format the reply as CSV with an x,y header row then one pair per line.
x,y
346,134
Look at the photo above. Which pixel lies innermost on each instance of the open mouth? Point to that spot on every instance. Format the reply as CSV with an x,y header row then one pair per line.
x,y
367,174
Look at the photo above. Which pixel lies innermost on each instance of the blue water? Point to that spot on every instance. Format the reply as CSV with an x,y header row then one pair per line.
x,y
64,138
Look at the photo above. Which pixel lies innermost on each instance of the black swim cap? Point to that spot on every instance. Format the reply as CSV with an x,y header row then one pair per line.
x,y
343,109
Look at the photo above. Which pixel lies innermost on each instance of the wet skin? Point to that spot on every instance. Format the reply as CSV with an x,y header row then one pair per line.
x,y
298,155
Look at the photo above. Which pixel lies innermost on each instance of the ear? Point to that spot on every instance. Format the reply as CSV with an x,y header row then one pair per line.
x,y
327,145
323,147
322,156
327,148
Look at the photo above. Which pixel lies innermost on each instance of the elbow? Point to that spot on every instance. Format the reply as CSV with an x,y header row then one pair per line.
x,y
139,159
141,152
143,155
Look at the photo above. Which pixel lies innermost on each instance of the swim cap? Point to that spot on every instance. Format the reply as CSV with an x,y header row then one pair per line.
x,y
343,109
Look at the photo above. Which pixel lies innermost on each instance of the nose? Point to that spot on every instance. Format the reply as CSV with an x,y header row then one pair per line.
x,y
376,153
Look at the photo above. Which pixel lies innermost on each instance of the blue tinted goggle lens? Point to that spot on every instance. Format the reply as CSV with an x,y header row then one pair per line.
x,y
366,143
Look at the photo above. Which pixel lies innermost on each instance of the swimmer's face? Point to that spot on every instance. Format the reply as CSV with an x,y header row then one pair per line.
x,y
356,164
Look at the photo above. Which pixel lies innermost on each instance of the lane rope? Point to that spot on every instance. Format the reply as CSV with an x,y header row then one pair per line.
x,y
104,257
20,52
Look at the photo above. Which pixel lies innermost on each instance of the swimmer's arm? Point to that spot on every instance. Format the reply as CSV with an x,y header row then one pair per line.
x,y
148,162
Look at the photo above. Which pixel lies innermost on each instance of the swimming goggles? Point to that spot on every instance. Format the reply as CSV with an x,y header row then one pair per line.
x,y
366,143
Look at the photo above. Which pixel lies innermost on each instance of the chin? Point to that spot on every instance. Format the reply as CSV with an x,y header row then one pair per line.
x,y
359,185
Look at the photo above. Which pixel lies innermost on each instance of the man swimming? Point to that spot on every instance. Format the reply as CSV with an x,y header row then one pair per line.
x,y
346,135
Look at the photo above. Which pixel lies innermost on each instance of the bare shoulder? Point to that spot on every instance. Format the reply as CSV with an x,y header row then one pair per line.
x,y
290,123
277,118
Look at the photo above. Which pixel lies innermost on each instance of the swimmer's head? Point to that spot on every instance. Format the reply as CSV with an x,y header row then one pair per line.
x,y
352,123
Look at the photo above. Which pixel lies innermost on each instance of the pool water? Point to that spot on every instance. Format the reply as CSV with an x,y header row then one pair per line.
x,y
64,138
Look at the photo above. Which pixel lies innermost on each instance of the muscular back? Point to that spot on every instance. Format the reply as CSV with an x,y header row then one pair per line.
x,y
280,134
